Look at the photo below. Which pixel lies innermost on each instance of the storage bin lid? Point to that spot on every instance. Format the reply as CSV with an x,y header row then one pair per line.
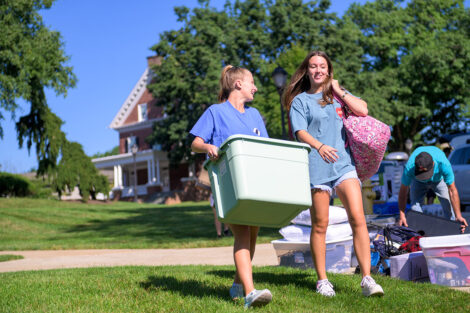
x,y
263,140
444,241
272,141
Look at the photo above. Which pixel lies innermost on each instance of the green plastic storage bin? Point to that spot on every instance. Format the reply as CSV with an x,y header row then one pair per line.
x,y
260,181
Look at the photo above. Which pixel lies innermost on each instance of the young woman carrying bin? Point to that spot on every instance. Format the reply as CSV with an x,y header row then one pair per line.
x,y
316,120
217,123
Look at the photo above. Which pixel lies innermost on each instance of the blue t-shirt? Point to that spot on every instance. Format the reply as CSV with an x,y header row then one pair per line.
x,y
442,167
323,123
222,120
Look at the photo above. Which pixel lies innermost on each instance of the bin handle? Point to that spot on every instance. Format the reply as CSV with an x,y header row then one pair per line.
x,y
220,153
215,179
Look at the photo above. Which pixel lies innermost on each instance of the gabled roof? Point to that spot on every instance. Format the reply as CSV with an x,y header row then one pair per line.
x,y
131,101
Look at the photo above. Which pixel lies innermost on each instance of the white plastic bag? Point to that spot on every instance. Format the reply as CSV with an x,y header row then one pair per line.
x,y
337,215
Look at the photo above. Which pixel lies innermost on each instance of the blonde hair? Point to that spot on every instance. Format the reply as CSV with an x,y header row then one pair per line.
x,y
300,82
230,74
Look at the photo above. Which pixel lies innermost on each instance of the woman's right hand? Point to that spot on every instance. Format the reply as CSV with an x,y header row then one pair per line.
x,y
212,151
328,154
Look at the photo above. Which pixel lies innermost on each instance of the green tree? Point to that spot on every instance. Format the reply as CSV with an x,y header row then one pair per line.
x,y
113,151
415,73
76,169
249,33
31,59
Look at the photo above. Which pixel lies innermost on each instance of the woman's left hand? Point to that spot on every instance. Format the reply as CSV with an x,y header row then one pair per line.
x,y
336,87
328,154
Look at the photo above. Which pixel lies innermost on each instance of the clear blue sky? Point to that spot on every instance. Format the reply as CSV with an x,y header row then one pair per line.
x,y
108,42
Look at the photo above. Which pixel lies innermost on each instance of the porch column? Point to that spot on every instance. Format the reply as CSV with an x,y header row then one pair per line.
x,y
149,172
152,169
119,175
158,170
115,176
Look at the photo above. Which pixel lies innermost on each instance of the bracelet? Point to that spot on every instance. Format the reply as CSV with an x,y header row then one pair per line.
x,y
344,95
320,147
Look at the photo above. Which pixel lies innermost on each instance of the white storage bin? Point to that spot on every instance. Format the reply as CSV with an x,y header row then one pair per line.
x,y
260,181
409,266
448,259
297,254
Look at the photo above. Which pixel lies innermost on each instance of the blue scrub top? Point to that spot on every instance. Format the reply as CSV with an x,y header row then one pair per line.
x,y
323,123
222,120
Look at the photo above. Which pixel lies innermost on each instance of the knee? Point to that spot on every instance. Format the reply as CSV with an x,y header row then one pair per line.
x,y
357,222
320,225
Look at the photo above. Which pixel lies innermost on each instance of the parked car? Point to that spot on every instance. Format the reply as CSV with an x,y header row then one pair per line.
x,y
460,161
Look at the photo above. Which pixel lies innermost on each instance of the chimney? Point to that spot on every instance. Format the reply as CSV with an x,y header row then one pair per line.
x,y
154,60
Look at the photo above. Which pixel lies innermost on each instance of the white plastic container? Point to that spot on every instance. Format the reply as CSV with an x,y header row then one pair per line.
x,y
409,266
260,181
297,254
448,259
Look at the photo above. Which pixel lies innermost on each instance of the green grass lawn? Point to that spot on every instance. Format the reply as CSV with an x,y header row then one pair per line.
x,y
9,257
32,224
205,289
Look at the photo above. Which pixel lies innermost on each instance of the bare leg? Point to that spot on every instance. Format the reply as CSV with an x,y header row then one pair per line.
x,y
243,252
349,192
319,213
217,223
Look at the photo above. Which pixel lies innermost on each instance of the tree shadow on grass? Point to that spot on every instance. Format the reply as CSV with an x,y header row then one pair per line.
x,y
186,288
300,279
155,224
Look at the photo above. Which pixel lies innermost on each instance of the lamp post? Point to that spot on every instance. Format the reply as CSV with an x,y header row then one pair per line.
x,y
408,145
279,76
134,150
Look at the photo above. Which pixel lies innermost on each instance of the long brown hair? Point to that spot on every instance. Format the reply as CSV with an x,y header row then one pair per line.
x,y
300,82
230,74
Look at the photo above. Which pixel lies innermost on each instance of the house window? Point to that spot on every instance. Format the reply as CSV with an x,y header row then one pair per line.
x,y
142,112
130,141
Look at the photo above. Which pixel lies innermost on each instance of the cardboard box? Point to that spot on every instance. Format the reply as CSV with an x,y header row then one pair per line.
x,y
297,254
448,259
260,181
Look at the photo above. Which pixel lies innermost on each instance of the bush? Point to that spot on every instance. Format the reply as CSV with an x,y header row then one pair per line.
x,y
40,189
12,185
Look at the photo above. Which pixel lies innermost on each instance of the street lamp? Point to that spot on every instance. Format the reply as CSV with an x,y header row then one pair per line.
x,y
279,76
408,145
134,150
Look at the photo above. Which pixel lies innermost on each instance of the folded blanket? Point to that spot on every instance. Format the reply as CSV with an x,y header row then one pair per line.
x,y
337,215
302,233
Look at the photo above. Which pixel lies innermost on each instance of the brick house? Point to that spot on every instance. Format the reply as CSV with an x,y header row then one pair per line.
x,y
134,122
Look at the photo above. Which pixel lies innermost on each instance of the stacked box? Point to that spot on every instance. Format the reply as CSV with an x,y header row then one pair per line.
x,y
448,259
260,181
297,254
409,266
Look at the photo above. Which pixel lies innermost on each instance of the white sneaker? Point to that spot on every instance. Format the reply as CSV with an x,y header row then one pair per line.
x,y
325,288
258,298
236,291
371,288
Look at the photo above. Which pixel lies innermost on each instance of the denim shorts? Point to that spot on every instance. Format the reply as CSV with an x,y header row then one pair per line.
x,y
329,186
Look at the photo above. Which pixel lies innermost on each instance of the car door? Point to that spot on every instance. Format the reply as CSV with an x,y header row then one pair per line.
x,y
460,161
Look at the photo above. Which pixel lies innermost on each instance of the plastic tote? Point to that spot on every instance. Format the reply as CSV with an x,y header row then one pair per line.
x,y
260,181
297,254
448,259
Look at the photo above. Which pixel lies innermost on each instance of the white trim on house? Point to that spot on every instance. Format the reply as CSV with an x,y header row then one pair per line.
x,y
137,125
131,101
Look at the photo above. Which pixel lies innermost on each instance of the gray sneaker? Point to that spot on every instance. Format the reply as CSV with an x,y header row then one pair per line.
x,y
236,291
258,298
370,288
325,288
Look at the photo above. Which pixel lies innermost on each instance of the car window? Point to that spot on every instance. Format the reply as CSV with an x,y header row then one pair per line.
x,y
466,156
457,157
